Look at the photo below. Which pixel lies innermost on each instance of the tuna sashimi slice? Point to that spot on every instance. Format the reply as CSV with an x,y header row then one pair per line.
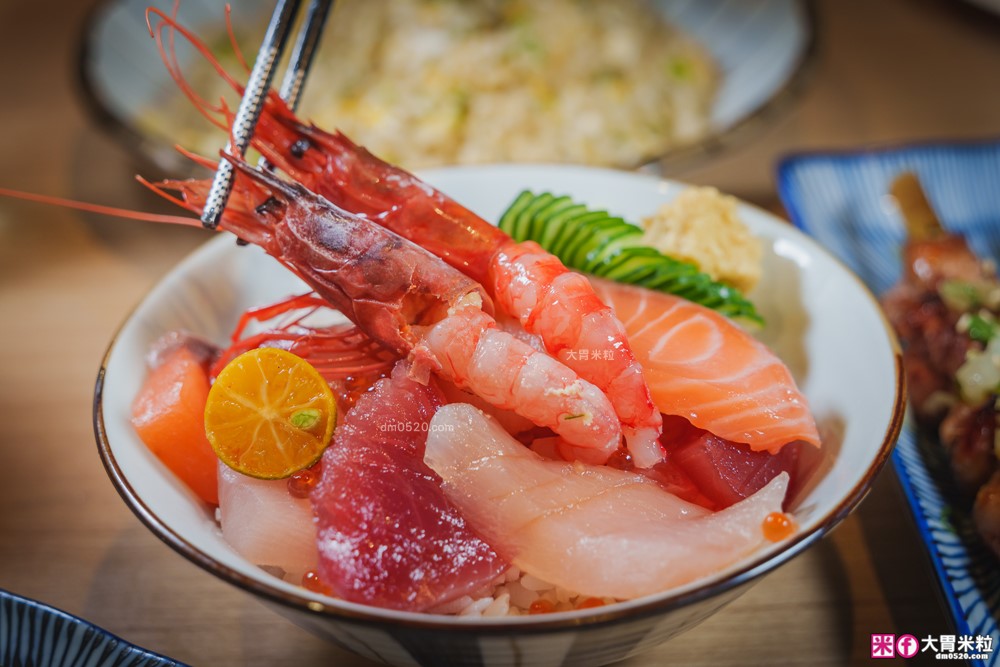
x,y
265,524
705,469
591,529
701,366
387,534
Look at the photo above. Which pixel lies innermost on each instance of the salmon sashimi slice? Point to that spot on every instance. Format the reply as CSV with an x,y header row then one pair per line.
x,y
387,535
594,530
168,414
701,366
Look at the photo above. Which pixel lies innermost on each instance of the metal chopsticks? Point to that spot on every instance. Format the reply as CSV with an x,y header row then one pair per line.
x,y
303,52
258,84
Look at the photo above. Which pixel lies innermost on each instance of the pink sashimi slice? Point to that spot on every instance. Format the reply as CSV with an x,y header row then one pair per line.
x,y
701,366
267,525
594,530
387,535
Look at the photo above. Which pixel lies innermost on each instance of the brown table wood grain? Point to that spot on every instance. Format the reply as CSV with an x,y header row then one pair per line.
x,y
888,71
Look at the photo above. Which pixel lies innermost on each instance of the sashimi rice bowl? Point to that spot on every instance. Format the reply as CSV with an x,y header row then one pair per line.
x,y
464,498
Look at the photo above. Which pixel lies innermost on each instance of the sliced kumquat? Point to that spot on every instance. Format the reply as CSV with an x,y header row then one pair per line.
x,y
269,414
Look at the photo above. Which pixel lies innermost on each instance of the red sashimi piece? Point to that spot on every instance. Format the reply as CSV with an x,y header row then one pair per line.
x,y
387,536
169,415
721,472
674,479
678,432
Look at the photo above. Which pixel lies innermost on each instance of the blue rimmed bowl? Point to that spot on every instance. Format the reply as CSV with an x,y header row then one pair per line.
x,y
841,200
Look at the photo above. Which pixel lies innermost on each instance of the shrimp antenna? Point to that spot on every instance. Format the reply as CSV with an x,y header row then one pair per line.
x,y
237,51
197,159
159,189
112,211
168,56
199,45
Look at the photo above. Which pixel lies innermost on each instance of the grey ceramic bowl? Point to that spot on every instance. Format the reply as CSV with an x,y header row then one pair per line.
x,y
763,49
821,320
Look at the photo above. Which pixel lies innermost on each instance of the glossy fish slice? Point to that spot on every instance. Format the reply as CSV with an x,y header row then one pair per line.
x,y
265,524
591,529
703,367
387,534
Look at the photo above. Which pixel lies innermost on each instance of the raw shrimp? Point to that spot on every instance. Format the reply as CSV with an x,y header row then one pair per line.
x,y
410,302
526,281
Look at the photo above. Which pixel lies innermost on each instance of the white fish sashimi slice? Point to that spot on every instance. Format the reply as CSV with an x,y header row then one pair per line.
x,y
591,529
265,524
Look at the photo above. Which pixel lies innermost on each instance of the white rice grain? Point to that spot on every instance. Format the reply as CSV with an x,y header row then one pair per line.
x,y
499,607
519,595
453,607
477,607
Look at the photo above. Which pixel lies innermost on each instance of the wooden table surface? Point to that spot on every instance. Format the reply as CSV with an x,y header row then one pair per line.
x,y
888,71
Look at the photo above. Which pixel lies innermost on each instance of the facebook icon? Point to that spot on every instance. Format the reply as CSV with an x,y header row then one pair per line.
x,y
907,646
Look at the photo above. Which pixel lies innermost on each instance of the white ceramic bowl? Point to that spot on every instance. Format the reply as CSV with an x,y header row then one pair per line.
x,y
763,49
821,320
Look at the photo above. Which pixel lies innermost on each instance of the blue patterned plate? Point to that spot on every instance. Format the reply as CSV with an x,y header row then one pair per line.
x,y
33,634
840,199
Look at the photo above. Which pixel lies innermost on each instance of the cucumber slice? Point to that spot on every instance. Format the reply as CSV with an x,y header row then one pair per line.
x,y
526,220
612,243
556,226
577,233
508,221
545,216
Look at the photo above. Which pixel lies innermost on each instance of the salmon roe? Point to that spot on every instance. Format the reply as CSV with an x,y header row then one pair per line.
x,y
590,603
301,483
541,606
311,582
778,526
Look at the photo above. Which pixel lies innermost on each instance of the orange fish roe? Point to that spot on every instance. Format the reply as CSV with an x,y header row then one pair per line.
x,y
590,603
541,606
301,483
778,526
312,582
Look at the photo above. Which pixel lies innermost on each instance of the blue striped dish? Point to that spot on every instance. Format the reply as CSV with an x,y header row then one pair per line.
x,y
840,199
33,634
